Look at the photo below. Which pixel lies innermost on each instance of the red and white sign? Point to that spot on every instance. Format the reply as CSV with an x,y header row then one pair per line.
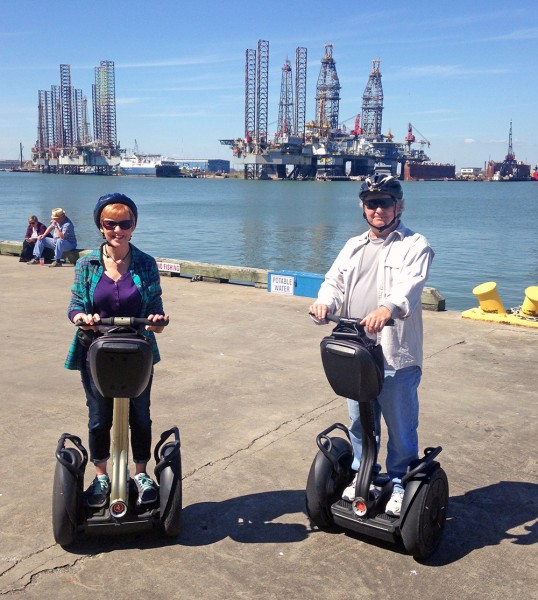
x,y
168,267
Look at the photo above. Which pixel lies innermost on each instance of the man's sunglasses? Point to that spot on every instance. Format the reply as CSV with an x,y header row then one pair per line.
x,y
380,203
111,225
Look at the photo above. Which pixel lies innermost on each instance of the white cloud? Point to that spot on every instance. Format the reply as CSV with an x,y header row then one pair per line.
x,y
519,34
469,141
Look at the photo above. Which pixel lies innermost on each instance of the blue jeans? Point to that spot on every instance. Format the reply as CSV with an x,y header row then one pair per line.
x,y
398,403
100,421
57,244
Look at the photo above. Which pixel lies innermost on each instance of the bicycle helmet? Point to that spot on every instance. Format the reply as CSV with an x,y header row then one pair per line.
x,y
113,199
381,182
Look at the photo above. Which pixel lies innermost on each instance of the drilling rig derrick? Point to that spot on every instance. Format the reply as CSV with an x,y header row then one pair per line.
x,y
300,92
285,126
372,104
262,93
327,95
509,165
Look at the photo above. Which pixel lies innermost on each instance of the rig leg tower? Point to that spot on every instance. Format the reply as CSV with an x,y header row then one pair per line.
x,y
372,104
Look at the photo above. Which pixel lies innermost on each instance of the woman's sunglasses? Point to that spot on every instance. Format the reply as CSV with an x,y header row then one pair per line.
x,y
111,225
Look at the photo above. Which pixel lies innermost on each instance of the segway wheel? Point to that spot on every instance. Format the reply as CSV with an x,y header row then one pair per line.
x,y
65,499
425,521
171,493
325,484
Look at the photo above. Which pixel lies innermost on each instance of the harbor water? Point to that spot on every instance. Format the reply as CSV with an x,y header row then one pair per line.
x,y
480,231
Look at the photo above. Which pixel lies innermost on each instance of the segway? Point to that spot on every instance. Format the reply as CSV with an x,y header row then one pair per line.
x,y
353,365
121,363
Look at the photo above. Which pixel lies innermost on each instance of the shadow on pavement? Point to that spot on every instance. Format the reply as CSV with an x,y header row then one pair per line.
x,y
477,519
485,517
247,519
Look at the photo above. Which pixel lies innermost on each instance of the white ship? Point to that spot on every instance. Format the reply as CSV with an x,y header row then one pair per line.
x,y
140,164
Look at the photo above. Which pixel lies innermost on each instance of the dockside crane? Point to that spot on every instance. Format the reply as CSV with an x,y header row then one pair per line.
x,y
410,137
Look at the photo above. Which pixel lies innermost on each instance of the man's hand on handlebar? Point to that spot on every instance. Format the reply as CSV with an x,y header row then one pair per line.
x,y
372,322
376,320
319,311
156,319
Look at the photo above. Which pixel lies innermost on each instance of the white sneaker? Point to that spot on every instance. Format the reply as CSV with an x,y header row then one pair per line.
x,y
394,505
349,492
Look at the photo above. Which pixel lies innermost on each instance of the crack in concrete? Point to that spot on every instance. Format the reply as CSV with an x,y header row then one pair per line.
x,y
18,582
445,348
318,410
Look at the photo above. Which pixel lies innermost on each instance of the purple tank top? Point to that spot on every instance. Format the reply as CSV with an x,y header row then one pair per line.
x,y
117,298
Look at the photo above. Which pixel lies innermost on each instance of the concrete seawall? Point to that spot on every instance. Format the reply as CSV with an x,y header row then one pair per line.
x,y
432,299
241,376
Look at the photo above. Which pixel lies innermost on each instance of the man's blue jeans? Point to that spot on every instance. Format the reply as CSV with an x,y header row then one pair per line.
x,y
57,244
398,403
100,421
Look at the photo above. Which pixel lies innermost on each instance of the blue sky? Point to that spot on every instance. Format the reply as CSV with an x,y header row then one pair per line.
x,y
458,71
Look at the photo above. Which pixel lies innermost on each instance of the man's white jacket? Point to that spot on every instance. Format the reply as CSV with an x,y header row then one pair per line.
x,y
403,268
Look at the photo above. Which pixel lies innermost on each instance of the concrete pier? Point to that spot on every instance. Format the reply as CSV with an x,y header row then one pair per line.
x,y
431,297
241,376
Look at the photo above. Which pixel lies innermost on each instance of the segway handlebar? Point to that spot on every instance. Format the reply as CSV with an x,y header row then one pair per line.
x,y
351,321
126,322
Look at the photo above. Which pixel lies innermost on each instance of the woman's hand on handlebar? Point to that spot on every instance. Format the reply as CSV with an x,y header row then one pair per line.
x,y
319,311
91,321
375,321
156,318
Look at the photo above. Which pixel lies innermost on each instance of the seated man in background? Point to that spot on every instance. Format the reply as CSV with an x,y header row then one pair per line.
x,y
63,238
34,229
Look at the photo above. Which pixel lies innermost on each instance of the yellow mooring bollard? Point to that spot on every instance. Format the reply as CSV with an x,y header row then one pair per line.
x,y
529,308
488,298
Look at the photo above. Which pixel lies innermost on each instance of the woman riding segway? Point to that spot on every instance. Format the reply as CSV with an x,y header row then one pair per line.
x,y
115,279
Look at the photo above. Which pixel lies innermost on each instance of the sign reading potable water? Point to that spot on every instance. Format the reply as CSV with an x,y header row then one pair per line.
x,y
294,283
282,284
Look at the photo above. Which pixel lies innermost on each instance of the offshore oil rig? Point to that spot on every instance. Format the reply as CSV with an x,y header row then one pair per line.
x,y
64,142
322,148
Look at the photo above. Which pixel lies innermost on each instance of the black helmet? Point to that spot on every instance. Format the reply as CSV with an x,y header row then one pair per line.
x,y
381,182
112,199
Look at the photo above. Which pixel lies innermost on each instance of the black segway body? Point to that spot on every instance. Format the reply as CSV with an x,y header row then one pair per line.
x,y
121,362
168,473
164,514
353,364
67,491
354,368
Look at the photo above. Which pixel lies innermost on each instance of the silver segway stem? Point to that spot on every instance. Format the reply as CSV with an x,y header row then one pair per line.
x,y
119,455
